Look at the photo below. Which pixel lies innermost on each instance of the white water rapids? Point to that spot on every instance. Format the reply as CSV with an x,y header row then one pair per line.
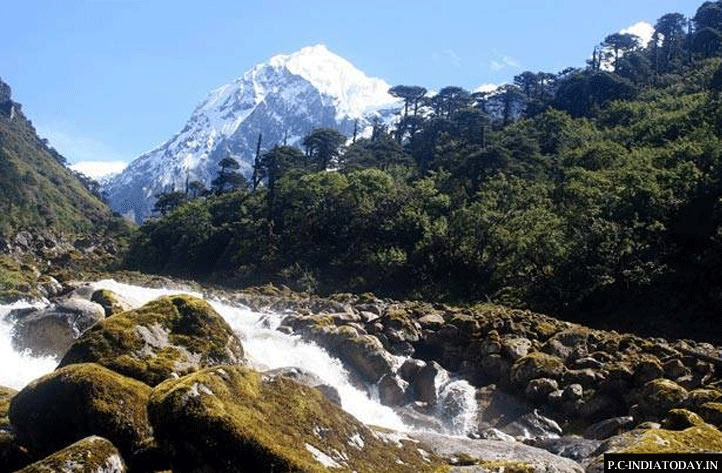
x,y
265,348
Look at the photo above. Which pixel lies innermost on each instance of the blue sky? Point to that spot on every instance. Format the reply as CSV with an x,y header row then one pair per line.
x,y
106,80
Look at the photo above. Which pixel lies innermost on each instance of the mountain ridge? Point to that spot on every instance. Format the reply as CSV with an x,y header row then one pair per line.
x,y
283,99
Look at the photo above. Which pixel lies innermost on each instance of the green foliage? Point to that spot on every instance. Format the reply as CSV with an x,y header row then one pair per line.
x,y
37,192
602,201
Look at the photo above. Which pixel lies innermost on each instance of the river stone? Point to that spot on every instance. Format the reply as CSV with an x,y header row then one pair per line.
x,y
76,401
536,365
697,397
168,337
492,455
111,302
648,369
51,331
608,427
223,418
533,426
660,395
515,347
392,390
91,454
538,389
428,381
574,448
711,412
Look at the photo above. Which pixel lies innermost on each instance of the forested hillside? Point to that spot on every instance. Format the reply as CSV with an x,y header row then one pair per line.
x,y
592,194
37,191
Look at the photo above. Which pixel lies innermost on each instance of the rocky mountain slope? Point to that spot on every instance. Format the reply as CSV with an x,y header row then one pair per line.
x,y
284,99
37,192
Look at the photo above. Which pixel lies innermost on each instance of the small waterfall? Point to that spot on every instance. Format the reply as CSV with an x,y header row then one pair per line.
x,y
457,407
265,348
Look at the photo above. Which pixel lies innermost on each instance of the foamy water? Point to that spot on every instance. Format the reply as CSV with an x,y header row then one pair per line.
x,y
265,348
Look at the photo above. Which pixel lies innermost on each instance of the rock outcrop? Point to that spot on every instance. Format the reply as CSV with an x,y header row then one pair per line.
x,y
78,401
91,454
228,417
168,337
51,331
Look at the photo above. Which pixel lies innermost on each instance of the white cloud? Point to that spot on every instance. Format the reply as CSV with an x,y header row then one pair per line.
x,y
99,169
642,29
503,61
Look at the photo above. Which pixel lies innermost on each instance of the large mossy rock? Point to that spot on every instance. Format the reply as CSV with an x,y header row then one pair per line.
x,y
13,455
230,418
536,365
79,401
89,455
168,337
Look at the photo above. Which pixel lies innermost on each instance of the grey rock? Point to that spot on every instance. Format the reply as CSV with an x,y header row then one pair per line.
x,y
533,425
51,331
428,381
574,448
573,392
89,454
608,427
392,390
307,378
494,451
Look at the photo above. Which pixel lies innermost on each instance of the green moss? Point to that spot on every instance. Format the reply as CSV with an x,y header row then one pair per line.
x,y
80,400
680,419
700,438
266,424
169,336
536,365
660,395
711,412
109,301
17,281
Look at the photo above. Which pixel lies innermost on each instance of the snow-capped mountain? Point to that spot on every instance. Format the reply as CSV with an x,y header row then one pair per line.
x,y
284,99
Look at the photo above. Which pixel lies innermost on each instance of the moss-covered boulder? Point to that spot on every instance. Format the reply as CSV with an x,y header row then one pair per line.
x,y
681,419
536,365
168,337
89,455
660,395
13,455
700,438
230,418
697,439
79,401
711,412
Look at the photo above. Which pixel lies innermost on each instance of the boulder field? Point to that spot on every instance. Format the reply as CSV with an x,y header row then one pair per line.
x,y
165,387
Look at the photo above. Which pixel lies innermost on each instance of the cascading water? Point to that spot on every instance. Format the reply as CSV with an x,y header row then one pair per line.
x,y
265,348
19,368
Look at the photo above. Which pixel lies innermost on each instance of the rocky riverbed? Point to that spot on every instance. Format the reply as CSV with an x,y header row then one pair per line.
x,y
167,387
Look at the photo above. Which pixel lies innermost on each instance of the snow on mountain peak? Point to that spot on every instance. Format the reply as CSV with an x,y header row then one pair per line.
x,y
282,99
353,92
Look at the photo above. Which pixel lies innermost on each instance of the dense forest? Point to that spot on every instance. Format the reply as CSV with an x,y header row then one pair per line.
x,y
591,194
